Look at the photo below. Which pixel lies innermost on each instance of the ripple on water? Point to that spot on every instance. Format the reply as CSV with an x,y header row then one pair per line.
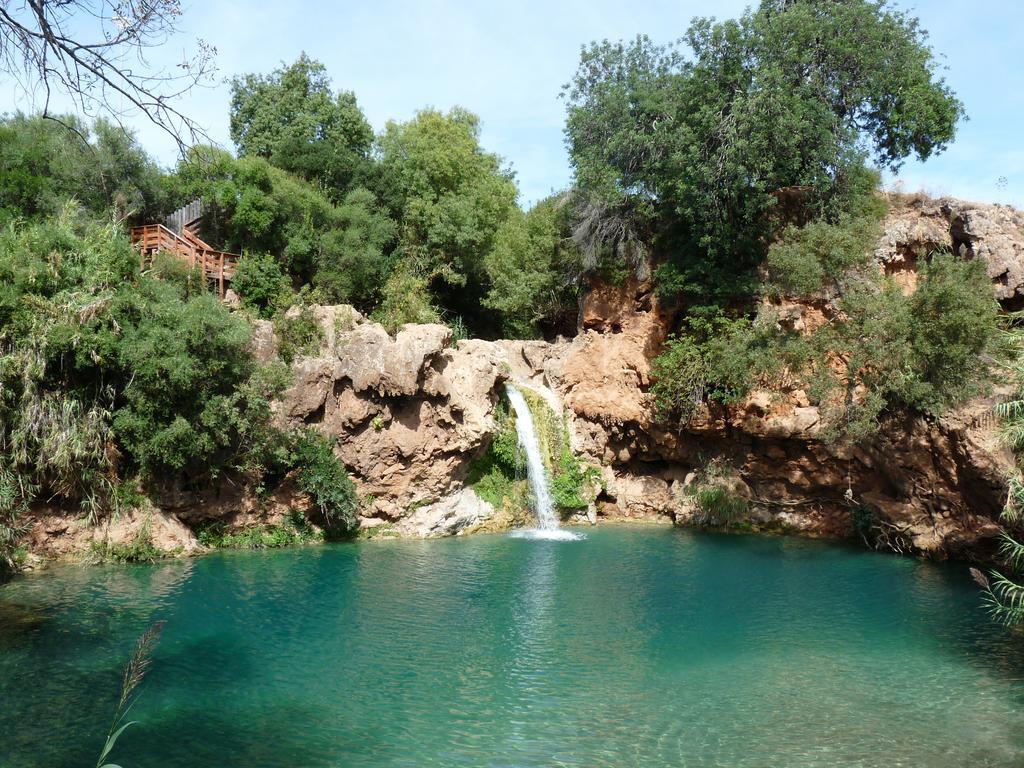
x,y
637,647
547,534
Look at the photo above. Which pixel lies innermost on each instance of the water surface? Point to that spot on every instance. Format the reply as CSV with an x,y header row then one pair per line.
x,y
634,647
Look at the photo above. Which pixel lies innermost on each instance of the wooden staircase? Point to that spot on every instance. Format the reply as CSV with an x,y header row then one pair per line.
x,y
217,266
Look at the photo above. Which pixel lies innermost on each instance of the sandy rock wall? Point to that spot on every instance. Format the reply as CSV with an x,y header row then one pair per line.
x,y
408,413
917,225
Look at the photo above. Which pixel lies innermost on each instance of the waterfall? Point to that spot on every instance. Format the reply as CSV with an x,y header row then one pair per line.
x,y
536,474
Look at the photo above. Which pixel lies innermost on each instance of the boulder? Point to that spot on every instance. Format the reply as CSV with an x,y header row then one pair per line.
x,y
449,517
371,359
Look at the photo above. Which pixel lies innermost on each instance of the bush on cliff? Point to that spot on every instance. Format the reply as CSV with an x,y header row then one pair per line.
x,y
925,352
322,475
107,373
717,358
807,260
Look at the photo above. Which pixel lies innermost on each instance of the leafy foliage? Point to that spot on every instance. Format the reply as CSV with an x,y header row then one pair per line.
x,y
924,351
720,359
451,196
14,498
809,259
358,256
533,270
702,148
322,475
570,481
1004,589
298,333
262,285
715,500
105,371
139,550
497,475
45,163
292,118
295,530
405,299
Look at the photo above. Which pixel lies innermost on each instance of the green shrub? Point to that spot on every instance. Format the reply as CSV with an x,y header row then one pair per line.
x,y
139,550
1004,588
294,530
405,299
925,352
298,333
497,475
807,257
717,505
13,504
569,483
262,285
322,475
357,259
98,362
720,359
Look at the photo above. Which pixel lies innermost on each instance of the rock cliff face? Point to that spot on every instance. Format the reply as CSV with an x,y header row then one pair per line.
x,y
410,413
917,225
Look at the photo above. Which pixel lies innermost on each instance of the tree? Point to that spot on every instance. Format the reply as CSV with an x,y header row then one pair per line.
x,y
43,164
789,101
252,206
451,196
292,118
90,51
533,270
105,372
358,258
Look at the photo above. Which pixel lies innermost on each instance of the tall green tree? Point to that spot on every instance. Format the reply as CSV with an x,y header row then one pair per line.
x,y
44,163
252,206
293,118
451,196
707,143
533,271
358,256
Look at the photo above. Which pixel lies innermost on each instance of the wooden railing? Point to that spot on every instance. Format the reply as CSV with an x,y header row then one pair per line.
x,y
216,265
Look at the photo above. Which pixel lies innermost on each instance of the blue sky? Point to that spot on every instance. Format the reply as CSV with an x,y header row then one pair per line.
x,y
507,62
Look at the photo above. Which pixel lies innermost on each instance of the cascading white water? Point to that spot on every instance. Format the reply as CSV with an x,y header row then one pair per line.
x,y
536,474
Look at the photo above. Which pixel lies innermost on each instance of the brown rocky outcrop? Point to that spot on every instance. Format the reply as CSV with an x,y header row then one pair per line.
x,y
408,413
917,225
53,534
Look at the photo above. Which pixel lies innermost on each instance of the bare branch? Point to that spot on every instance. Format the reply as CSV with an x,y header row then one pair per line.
x,y
94,51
